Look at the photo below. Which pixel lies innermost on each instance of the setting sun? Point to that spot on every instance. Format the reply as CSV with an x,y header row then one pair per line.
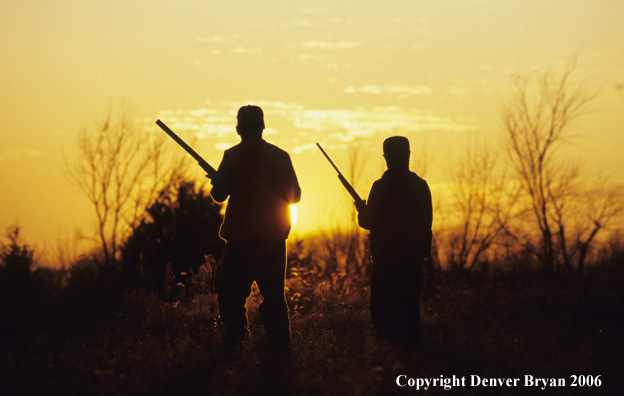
x,y
293,214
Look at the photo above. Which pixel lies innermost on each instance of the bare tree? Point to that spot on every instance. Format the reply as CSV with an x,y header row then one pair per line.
x,y
420,160
121,172
536,126
483,203
601,207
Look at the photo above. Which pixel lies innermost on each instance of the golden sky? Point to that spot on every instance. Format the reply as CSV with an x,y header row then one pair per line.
x,y
342,73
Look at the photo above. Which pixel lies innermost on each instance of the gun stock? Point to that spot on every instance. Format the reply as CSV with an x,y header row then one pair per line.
x,y
342,179
211,172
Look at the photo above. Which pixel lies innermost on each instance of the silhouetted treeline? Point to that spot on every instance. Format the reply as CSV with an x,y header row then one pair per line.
x,y
175,253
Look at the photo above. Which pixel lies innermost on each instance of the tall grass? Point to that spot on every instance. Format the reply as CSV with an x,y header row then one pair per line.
x,y
498,322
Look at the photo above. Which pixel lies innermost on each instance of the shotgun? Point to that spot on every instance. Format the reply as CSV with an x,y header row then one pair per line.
x,y
211,172
344,181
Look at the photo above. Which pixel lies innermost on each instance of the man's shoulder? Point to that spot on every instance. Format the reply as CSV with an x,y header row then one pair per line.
x,y
390,176
378,183
256,144
389,179
271,146
276,154
417,179
419,184
252,153
234,148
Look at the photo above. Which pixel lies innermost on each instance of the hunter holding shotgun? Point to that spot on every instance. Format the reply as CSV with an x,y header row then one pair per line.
x,y
399,216
261,182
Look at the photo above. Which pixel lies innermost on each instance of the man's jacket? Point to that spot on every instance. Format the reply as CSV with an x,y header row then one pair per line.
x,y
399,215
261,182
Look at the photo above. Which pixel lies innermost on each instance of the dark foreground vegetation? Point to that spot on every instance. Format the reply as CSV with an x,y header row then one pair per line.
x,y
94,336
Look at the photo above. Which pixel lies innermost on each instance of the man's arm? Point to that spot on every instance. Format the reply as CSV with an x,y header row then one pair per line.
x,y
294,188
363,215
222,182
429,203
368,211
423,217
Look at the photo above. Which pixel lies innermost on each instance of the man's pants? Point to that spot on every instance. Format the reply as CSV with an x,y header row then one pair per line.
x,y
262,261
395,298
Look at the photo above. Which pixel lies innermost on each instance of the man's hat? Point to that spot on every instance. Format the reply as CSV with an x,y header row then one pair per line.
x,y
396,146
250,117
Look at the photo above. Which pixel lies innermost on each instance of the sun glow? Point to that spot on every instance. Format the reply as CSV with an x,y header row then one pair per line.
x,y
293,214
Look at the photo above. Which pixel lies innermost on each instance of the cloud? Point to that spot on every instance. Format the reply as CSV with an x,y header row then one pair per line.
x,y
222,146
9,155
301,148
371,89
300,22
244,50
409,90
459,92
309,10
331,45
215,39
309,57
402,91
296,127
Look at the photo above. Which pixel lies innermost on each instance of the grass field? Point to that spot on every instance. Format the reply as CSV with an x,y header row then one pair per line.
x,y
493,325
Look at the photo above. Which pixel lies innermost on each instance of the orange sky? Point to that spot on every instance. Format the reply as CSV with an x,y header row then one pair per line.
x,y
339,72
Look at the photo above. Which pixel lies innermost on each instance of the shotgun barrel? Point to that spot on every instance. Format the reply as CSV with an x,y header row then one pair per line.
x,y
344,181
211,172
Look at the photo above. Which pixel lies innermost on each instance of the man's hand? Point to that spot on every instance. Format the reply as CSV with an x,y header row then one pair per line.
x,y
360,206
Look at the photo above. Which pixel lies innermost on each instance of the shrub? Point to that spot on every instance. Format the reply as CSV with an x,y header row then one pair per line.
x,y
180,230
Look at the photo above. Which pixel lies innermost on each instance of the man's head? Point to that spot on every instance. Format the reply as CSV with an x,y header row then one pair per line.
x,y
396,150
250,121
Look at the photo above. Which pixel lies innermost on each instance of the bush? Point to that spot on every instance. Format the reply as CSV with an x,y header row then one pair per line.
x,y
180,230
16,287
17,262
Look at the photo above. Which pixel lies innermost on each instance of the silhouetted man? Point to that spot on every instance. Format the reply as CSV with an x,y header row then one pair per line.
x,y
399,216
261,182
